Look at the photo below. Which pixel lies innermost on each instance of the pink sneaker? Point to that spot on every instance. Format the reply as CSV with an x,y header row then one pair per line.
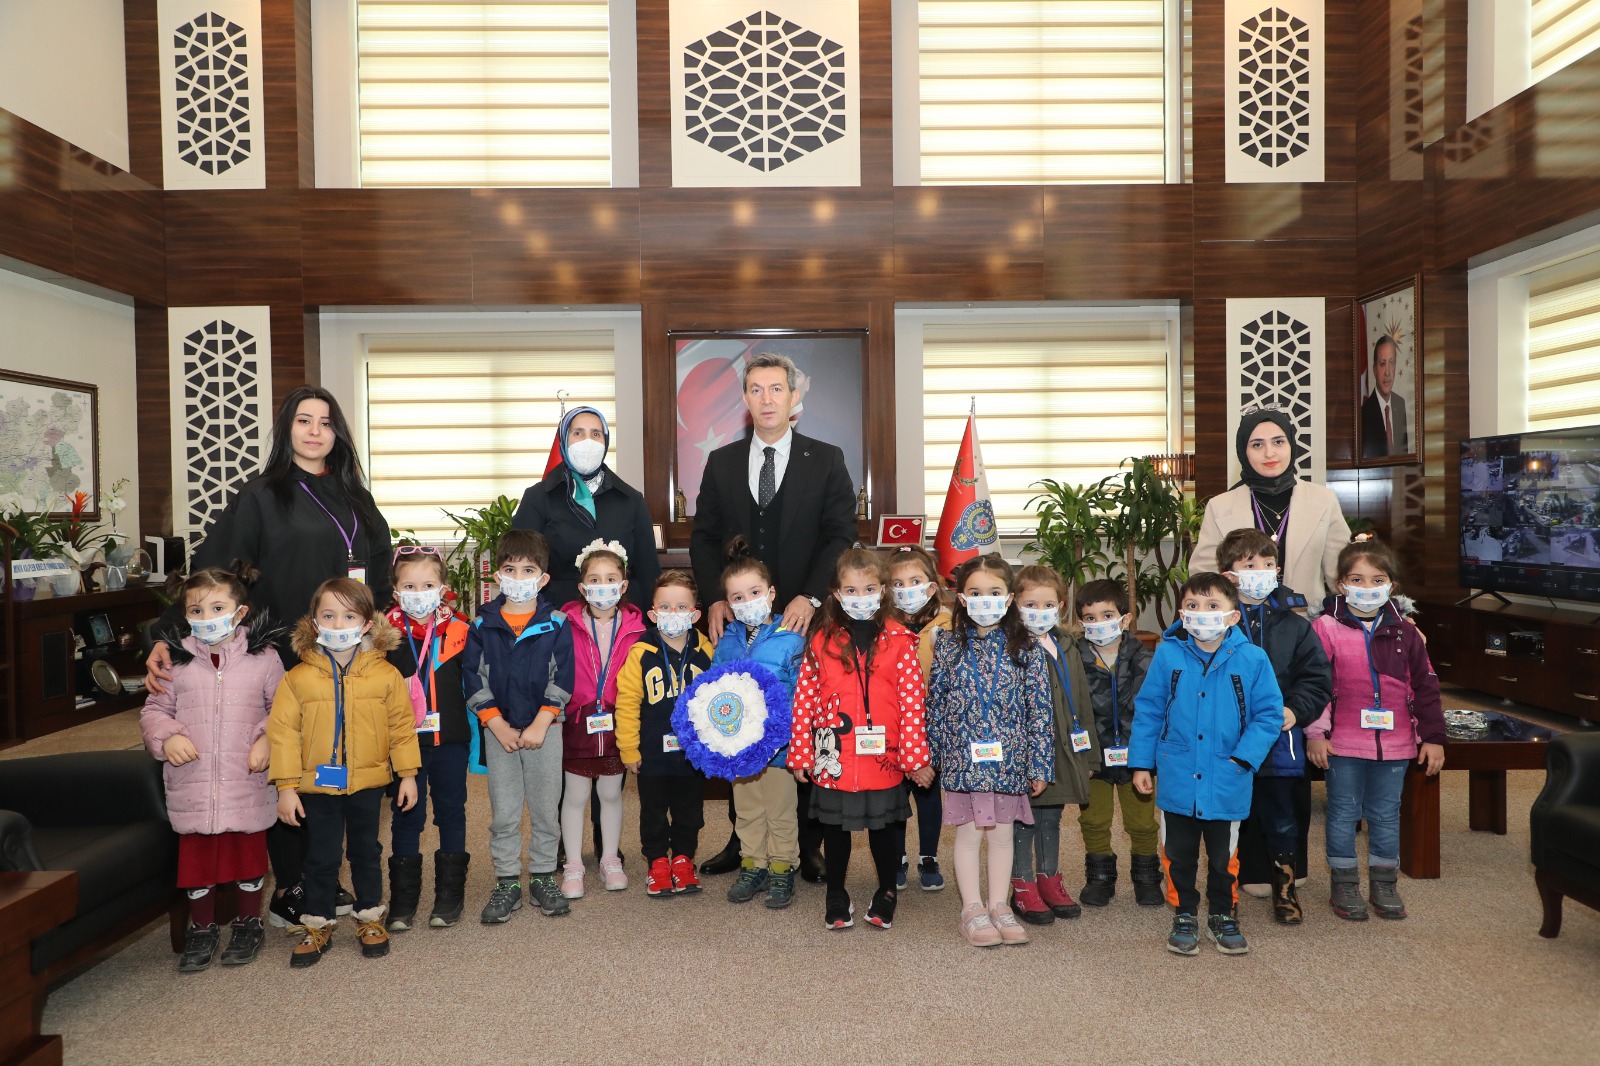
x,y
611,870
1006,925
572,880
978,928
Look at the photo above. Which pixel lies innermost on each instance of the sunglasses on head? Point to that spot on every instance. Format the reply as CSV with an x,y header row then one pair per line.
x,y
415,549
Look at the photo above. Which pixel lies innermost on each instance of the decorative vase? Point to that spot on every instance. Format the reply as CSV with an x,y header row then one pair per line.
x,y
67,584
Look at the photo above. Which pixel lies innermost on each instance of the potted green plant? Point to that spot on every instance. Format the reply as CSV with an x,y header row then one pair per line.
x,y
480,529
1069,535
36,536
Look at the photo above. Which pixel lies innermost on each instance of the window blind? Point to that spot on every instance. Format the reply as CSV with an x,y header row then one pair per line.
x,y
1564,345
1562,31
454,421
1062,400
478,94
1042,92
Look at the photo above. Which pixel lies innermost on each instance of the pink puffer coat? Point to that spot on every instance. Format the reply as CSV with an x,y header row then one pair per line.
x,y
223,711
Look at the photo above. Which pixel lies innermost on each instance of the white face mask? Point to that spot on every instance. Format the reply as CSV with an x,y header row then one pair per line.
x,y
754,613
586,456
861,608
913,598
518,589
1367,597
1102,633
602,597
986,610
1206,625
1040,620
1257,584
338,639
214,630
674,623
420,603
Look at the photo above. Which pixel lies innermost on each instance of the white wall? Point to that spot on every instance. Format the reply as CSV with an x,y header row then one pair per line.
x,y
63,67
58,333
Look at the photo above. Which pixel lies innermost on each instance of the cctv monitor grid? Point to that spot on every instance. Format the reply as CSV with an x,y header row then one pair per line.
x,y
1530,517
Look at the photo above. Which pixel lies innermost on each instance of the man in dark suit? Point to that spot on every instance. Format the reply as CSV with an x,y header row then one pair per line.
x,y
790,497
1384,429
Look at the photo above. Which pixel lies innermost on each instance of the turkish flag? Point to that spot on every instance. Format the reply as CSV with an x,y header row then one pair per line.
x,y
966,526
554,461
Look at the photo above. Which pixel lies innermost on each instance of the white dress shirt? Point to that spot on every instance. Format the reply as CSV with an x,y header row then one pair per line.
x,y
780,461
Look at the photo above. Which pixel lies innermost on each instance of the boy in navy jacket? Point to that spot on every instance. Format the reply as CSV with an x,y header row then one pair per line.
x,y
517,671
1205,719
1272,841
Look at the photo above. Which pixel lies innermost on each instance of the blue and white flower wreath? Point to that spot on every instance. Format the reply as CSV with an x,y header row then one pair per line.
x,y
733,719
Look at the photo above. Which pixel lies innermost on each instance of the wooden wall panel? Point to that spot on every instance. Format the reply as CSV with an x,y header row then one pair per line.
x,y
555,246
959,243
386,246
286,91
877,95
1118,242
35,205
144,89
151,385
233,247
1213,438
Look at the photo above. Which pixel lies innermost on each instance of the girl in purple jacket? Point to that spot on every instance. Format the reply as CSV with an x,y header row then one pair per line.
x,y
1385,712
209,726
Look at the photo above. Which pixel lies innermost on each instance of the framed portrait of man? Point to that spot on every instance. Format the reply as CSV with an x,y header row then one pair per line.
x,y
1388,376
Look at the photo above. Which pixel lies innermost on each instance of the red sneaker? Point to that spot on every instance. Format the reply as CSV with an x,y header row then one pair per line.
x,y
1055,896
658,882
684,881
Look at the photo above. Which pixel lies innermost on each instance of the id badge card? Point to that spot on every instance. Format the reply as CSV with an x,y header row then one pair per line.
x,y
430,723
987,751
1116,756
332,775
1376,718
871,740
669,743
1080,741
356,572
598,723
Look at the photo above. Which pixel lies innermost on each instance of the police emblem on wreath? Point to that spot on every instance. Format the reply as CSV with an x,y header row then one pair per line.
x,y
975,528
733,719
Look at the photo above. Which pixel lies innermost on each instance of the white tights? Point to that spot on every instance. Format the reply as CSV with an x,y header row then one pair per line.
x,y
574,803
968,839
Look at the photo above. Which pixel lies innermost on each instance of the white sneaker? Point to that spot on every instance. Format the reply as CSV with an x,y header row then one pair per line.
x,y
572,880
611,871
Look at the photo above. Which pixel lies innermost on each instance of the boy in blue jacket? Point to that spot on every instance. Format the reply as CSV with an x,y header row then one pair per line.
x,y
1272,841
517,671
1205,719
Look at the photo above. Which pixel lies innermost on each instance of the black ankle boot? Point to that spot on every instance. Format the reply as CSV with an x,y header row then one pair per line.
x,y
1145,872
725,861
1100,880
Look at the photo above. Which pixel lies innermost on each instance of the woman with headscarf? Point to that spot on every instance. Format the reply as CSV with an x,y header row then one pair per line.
x,y
1302,518
583,500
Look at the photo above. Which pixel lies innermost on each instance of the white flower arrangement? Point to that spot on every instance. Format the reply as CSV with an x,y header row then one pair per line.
x,y
598,545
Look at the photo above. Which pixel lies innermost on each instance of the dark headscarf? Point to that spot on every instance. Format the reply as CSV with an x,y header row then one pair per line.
x,y
579,496
1269,486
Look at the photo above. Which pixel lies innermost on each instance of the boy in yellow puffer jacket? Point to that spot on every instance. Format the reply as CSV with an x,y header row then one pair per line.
x,y
340,721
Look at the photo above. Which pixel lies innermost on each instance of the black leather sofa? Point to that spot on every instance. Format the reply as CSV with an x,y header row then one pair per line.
x,y
102,814
1565,824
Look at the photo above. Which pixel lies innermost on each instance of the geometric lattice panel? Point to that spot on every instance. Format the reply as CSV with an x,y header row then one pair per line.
x,y
220,379
765,95
1275,362
764,91
211,99
1274,91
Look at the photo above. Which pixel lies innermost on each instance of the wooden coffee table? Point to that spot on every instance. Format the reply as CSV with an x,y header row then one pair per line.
x,y
1486,763
30,904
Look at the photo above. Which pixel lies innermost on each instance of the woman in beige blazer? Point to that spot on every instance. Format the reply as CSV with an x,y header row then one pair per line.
x,y
1304,519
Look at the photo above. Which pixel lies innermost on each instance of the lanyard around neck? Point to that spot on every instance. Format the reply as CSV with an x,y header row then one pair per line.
x,y
1066,686
1367,633
338,704
355,524
604,661
425,654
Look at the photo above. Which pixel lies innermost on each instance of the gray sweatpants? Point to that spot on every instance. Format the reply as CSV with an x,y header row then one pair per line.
x,y
531,778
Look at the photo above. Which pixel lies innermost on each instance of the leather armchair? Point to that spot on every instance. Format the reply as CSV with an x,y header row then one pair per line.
x,y
1565,827
102,814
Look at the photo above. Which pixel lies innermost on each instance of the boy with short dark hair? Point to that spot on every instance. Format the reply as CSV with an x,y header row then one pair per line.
x,y
1272,840
1205,719
518,676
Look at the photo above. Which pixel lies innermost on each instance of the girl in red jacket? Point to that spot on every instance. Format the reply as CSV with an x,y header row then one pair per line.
x,y
859,730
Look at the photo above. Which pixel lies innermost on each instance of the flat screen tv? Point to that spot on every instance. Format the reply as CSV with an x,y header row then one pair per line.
x,y
1530,513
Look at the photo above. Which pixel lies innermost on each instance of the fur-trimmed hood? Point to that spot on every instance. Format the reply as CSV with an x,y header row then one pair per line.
x,y
261,631
382,638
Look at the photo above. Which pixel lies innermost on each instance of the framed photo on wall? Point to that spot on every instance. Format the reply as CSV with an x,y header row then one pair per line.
x,y
50,443
709,409
1388,375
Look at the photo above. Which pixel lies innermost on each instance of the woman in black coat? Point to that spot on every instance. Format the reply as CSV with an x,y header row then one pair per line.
x,y
583,500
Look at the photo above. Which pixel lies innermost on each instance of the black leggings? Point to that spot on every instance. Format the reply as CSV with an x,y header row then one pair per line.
x,y
884,844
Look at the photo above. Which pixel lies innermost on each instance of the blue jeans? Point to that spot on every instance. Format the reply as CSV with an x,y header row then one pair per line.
x,y
1364,789
443,776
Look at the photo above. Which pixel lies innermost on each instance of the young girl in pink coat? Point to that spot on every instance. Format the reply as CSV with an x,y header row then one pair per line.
x,y
209,726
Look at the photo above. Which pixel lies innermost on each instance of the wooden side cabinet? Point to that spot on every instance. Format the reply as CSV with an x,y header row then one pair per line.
x,y
1545,657
50,672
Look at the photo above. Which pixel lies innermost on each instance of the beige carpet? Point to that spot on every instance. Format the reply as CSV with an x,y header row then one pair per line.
x,y
626,978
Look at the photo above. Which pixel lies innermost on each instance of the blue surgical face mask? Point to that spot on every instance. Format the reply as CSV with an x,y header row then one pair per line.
x,y
861,608
1206,625
1040,620
602,597
420,603
1102,633
214,630
518,589
1367,597
1257,584
338,639
754,613
913,598
674,623
986,610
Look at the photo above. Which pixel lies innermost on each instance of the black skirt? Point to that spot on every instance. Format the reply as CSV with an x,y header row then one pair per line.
x,y
873,809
